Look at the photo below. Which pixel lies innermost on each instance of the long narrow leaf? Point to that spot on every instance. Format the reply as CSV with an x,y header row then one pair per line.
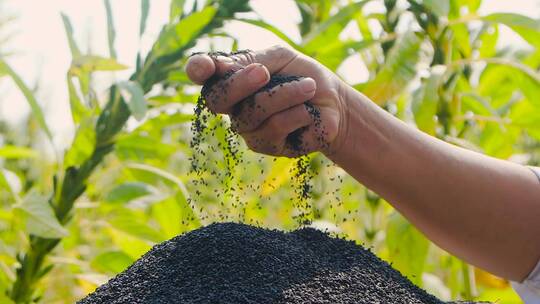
x,y
134,95
75,52
111,33
179,35
145,9
332,27
36,109
177,9
274,30
78,109
16,152
333,55
527,28
90,63
397,72
163,174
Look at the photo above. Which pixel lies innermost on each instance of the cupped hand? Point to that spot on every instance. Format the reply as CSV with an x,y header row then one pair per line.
x,y
291,119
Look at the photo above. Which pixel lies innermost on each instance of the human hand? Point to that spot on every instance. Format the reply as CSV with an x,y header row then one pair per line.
x,y
278,121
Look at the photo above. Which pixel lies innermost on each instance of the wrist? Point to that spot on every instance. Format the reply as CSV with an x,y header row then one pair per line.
x,y
350,104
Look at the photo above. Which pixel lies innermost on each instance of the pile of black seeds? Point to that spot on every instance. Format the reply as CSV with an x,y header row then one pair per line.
x,y
237,263
203,130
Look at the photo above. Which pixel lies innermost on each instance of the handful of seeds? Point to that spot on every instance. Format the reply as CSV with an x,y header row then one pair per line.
x,y
201,129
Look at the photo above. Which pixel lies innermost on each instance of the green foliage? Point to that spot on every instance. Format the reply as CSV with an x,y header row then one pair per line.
x,y
410,259
29,95
117,191
39,216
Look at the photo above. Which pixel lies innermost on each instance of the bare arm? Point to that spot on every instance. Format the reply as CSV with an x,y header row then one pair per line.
x,y
483,210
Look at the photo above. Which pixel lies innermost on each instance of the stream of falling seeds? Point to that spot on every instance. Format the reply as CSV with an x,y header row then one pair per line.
x,y
203,130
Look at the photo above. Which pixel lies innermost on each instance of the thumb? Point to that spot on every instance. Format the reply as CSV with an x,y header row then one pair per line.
x,y
200,67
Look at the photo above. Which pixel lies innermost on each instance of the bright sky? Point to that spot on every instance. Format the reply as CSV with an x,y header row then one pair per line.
x,y
42,55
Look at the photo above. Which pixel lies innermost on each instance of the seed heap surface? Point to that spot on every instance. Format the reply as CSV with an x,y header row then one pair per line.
x,y
237,263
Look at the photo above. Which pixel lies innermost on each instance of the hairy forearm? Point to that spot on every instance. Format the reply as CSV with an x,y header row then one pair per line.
x,y
484,210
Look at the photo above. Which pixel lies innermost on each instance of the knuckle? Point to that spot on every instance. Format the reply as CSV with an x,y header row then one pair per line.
x,y
279,50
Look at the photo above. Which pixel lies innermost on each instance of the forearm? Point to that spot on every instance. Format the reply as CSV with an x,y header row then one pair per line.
x,y
484,210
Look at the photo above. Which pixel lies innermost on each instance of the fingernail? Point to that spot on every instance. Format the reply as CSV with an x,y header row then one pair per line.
x,y
307,85
257,75
224,59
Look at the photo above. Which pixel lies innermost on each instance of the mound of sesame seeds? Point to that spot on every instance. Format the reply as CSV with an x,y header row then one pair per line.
x,y
237,263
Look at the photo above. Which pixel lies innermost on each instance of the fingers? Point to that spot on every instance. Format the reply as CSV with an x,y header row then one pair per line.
x,y
248,115
224,94
200,67
271,137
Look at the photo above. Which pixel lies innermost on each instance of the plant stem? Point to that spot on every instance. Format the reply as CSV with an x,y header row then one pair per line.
x,y
73,185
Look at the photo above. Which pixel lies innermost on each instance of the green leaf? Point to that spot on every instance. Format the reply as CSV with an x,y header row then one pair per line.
x,y
182,193
457,6
78,110
177,9
75,52
526,116
91,63
462,38
498,141
330,29
131,245
165,120
36,109
140,146
307,17
169,214
440,8
273,30
145,9
3,71
177,36
112,261
127,221
134,95
334,54
40,218
128,191
527,28
4,184
488,41
426,101
15,152
111,33
163,174
397,72
524,77
408,248
83,144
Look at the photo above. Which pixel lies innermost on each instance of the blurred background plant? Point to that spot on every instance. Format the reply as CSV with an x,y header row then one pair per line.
x,y
72,218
